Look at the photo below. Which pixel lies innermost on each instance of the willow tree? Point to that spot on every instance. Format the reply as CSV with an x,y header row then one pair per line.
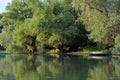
x,y
20,27
66,34
29,25
52,24
8,25
99,16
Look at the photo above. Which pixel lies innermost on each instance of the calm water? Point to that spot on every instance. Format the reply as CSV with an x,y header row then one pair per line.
x,y
21,67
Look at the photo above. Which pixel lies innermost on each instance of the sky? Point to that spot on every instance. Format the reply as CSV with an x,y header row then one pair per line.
x,y
3,4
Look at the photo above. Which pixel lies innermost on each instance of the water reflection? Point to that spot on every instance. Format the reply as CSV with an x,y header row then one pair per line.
x,y
20,67
102,72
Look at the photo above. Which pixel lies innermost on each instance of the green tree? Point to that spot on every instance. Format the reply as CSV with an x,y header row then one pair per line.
x,y
29,25
19,34
65,32
99,17
7,31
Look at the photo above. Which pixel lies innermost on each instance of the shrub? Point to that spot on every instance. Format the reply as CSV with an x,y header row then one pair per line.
x,y
2,48
93,48
116,48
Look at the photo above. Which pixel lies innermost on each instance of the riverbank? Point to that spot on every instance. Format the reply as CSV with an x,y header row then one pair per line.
x,y
84,54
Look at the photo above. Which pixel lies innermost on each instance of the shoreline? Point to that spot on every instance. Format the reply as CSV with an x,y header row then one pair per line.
x,y
67,53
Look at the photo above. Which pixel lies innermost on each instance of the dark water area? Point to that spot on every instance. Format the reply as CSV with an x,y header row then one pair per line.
x,y
22,67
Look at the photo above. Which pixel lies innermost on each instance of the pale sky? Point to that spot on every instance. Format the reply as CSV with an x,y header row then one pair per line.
x,y
3,3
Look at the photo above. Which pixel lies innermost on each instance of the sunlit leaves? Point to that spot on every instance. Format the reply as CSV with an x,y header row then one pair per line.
x,y
38,23
117,44
99,17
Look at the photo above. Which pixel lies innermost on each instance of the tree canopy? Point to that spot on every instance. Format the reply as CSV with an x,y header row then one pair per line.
x,y
101,19
29,26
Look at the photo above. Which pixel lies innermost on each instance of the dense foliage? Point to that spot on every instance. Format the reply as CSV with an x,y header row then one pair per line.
x,y
66,25
101,19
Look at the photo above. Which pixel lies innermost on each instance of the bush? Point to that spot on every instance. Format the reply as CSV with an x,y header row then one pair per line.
x,y
116,48
93,48
2,48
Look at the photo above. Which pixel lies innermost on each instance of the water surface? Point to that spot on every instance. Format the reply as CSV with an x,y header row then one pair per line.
x,y
21,67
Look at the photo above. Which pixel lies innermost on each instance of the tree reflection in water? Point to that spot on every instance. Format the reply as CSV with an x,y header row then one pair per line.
x,y
20,67
108,70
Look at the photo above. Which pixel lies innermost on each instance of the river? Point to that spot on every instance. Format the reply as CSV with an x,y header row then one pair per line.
x,y
22,67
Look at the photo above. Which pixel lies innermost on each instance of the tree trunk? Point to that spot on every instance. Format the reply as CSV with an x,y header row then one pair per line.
x,y
33,45
61,48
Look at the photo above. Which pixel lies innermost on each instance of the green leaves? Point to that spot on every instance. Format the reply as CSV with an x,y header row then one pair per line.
x,y
35,24
116,48
100,18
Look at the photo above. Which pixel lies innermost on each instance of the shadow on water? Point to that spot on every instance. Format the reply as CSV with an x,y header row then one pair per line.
x,y
22,67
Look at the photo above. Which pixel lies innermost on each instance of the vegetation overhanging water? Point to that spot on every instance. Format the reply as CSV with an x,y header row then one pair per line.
x,y
58,26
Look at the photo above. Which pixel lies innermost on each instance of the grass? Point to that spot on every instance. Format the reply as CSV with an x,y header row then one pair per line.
x,y
93,48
